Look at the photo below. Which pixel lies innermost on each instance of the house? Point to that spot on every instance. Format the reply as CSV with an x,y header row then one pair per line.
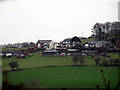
x,y
7,54
44,44
97,44
86,45
15,53
92,44
65,43
89,52
56,45
101,44
74,42
71,51
61,50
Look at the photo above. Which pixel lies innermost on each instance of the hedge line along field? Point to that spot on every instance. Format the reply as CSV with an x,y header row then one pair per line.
x,y
38,60
65,77
62,75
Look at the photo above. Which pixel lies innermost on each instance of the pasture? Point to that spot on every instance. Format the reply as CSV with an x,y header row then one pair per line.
x,y
38,60
65,77
58,72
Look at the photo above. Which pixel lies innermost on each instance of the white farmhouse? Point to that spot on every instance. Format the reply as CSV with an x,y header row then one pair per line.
x,y
45,44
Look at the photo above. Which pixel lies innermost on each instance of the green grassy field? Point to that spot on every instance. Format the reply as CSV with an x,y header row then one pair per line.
x,y
38,60
87,40
65,77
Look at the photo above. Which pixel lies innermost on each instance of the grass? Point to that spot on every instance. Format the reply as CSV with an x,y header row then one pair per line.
x,y
66,77
87,40
38,60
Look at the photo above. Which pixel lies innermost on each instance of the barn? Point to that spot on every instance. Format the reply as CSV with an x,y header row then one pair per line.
x,y
49,52
89,52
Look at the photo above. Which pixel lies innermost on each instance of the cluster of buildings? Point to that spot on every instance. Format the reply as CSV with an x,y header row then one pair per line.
x,y
66,47
49,44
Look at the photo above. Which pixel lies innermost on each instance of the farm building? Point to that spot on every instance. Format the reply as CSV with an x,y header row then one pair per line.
x,y
71,42
65,43
45,44
7,54
56,45
97,44
71,51
61,50
89,52
49,52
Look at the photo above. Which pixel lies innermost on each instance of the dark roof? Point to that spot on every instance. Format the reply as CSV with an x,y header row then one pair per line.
x,y
66,40
75,39
89,51
45,41
50,51
102,42
14,52
94,42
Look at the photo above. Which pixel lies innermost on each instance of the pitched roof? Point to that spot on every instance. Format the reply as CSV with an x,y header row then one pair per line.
x,y
75,39
50,51
66,40
89,51
14,52
94,42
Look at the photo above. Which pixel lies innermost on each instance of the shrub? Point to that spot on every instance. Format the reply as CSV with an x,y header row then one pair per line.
x,y
105,62
116,62
74,59
78,58
13,64
97,61
111,61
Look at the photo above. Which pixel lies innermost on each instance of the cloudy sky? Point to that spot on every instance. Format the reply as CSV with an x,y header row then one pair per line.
x,y
30,20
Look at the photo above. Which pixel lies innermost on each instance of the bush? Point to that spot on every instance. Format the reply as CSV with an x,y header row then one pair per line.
x,y
116,62
78,58
111,61
105,63
13,64
74,59
97,61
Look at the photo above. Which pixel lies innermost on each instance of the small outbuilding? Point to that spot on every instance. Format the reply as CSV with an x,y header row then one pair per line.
x,y
49,52
89,52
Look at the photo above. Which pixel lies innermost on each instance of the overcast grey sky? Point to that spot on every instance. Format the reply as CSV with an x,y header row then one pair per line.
x,y
30,20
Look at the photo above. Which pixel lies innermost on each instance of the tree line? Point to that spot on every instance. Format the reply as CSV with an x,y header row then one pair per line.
x,y
21,45
106,31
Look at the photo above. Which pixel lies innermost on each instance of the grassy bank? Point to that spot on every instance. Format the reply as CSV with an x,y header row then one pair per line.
x,y
38,60
65,77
